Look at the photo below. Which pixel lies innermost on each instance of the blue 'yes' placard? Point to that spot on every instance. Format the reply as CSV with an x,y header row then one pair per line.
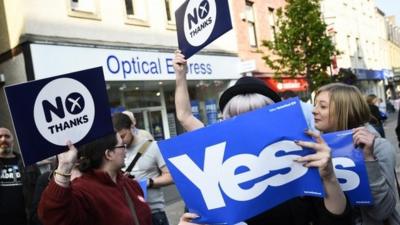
x,y
48,112
199,22
236,169
349,167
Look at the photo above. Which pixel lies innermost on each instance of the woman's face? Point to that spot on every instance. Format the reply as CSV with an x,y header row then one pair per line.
x,y
323,121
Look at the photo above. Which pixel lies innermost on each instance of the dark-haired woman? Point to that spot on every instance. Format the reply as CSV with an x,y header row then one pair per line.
x,y
101,196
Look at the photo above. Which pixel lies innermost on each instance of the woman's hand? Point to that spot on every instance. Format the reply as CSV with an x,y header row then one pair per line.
x,y
66,160
186,219
179,64
365,139
321,158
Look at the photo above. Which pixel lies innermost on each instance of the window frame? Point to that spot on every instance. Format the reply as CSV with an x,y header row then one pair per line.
x,y
95,15
136,19
253,23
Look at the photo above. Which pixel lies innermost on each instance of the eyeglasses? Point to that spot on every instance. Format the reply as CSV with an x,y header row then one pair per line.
x,y
120,146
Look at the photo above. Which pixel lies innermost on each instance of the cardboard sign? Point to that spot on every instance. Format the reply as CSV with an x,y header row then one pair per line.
x,y
48,112
199,22
349,167
233,170
236,169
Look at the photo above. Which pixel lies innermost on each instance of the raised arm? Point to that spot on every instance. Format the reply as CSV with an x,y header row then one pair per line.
x,y
182,101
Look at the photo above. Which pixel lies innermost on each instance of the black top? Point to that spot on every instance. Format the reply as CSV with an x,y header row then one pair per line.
x,y
302,211
12,202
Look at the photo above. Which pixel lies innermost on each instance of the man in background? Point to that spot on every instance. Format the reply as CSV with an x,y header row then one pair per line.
x,y
150,166
138,132
17,183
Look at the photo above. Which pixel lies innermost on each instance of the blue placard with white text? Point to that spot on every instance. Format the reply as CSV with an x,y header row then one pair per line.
x,y
236,169
199,22
48,112
349,167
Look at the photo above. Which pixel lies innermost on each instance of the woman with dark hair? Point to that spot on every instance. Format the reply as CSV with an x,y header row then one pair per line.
x,y
249,94
101,196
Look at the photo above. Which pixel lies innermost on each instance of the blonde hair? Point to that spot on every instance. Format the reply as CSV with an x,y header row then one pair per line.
x,y
348,108
244,103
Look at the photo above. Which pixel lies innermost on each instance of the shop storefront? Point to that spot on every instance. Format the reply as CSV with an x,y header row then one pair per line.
x,y
371,82
296,84
143,81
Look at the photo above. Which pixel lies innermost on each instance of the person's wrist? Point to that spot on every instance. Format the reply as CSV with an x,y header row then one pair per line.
x,y
150,183
65,168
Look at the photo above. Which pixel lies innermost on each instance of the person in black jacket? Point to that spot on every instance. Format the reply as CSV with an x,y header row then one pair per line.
x,y
376,117
17,183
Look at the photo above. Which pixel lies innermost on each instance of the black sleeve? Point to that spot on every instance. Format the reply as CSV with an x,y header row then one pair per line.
x,y
41,184
324,217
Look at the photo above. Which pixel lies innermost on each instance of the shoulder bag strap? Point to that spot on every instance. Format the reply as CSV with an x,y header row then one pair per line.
x,y
131,207
141,151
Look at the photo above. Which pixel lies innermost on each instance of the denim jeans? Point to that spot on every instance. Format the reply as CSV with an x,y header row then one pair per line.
x,y
159,218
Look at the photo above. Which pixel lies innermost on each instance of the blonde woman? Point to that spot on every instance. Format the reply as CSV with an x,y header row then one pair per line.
x,y
342,107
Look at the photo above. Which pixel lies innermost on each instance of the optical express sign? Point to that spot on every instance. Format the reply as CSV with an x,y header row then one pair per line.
x,y
120,65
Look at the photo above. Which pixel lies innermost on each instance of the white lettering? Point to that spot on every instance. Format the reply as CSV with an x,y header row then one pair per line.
x,y
216,172
351,178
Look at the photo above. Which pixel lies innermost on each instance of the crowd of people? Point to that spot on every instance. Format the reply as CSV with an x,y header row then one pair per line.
x,y
99,182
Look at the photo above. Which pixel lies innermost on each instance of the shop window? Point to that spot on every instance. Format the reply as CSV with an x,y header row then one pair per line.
x,y
84,9
251,27
170,16
136,12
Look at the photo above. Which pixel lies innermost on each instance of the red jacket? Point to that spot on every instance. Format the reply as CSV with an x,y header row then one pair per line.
x,y
93,199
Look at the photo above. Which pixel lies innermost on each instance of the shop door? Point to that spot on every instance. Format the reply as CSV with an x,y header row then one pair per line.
x,y
150,120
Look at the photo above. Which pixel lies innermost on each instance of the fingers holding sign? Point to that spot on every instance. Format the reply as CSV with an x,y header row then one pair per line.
x,y
186,219
180,63
322,157
365,140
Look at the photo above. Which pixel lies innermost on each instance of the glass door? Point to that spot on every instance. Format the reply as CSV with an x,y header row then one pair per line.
x,y
150,119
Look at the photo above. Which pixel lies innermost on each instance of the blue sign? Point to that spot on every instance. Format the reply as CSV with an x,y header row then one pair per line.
x,y
349,167
48,112
199,22
211,110
236,169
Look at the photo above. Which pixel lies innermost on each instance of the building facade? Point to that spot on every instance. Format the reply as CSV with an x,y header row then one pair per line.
x,y
394,55
133,40
255,22
359,32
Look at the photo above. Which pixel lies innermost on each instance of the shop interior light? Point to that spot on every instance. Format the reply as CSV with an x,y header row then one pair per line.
x,y
137,88
160,83
158,94
123,87
108,86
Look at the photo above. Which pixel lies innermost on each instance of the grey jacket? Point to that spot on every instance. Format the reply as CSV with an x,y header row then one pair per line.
x,y
383,187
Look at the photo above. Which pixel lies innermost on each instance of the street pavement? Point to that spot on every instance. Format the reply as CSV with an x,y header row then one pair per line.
x,y
175,205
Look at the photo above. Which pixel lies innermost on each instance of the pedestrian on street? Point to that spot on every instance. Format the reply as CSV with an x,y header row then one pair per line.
x,y
144,161
101,196
343,107
248,94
